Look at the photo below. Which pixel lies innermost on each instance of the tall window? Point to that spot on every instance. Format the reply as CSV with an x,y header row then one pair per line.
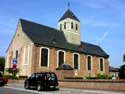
x,y
44,57
60,26
60,58
65,25
76,26
101,64
89,61
71,25
26,53
76,61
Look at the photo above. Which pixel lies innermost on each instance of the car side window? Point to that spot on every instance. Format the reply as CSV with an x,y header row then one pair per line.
x,y
33,75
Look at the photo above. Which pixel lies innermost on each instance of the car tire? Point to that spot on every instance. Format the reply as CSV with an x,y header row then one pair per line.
x,y
40,87
26,85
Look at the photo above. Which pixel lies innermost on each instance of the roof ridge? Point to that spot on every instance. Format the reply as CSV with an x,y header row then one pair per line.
x,y
38,24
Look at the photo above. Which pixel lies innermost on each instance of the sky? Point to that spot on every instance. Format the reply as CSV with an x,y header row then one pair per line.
x,y
102,21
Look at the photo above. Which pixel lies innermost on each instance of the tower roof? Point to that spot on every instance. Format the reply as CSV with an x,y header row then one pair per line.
x,y
69,14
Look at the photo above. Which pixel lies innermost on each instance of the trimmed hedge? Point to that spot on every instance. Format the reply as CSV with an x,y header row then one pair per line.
x,y
73,77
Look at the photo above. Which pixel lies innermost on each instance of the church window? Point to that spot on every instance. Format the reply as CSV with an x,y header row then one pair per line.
x,y
76,61
65,25
61,58
71,25
89,62
76,26
44,57
101,61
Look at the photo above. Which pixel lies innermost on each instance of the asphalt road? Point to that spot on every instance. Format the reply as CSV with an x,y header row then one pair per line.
x,y
18,89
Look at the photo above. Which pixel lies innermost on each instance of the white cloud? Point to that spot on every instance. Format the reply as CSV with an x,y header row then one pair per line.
x,y
103,37
98,23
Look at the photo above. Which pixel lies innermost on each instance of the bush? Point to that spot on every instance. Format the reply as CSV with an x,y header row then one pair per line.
x,y
122,72
23,77
11,77
99,76
91,78
2,63
73,77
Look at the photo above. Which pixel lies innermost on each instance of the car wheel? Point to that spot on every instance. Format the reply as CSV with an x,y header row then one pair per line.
x,y
40,87
26,85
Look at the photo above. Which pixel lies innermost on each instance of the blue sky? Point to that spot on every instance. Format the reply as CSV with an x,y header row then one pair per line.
x,y
102,21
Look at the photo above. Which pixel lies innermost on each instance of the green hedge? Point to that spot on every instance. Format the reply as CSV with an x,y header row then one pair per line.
x,y
11,77
100,76
73,77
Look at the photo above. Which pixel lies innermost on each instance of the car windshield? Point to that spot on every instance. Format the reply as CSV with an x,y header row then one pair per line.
x,y
50,75
0,75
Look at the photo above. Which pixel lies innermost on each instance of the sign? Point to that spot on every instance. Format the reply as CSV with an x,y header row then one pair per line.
x,y
14,61
14,66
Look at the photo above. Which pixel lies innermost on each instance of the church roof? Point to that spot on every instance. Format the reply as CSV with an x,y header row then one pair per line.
x,y
69,14
47,36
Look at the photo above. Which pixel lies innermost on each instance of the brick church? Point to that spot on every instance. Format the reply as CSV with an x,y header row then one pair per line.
x,y
38,48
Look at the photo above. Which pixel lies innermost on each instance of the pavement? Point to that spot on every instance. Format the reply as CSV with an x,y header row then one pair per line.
x,y
19,89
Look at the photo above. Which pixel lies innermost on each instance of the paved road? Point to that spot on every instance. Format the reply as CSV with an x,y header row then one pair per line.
x,y
18,89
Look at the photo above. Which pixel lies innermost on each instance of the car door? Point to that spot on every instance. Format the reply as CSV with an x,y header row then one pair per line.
x,y
32,80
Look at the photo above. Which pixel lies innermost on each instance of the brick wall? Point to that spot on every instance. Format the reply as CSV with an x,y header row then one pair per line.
x,y
83,72
95,84
87,84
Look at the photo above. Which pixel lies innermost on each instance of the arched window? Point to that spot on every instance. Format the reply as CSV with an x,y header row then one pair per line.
x,y
89,62
65,25
71,25
76,26
44,57
101,62
60,26
76,61
61,58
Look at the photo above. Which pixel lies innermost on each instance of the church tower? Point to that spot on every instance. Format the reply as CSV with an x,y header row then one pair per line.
x,y
70,25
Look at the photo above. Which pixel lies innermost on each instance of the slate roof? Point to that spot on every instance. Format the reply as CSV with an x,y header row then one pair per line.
x,y
112,69
69,14
44,35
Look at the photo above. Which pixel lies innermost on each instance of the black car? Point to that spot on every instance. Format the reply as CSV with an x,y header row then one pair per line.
x,y
41,81
3,80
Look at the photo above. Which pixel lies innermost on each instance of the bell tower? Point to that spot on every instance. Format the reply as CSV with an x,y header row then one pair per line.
x,y
70,25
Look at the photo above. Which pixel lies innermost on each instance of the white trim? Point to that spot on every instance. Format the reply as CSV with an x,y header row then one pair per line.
x,y
26,55
78,61
99,64
40,57
91,63
7,61
24,52
58,56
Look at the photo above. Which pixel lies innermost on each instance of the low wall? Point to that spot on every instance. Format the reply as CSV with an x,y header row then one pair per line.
x,y
87,84
94,84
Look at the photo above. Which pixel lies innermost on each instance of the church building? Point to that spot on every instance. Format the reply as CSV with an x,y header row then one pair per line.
x,y
39,48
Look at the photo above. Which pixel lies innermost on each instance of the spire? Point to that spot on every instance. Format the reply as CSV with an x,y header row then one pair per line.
x,y
68,5
69,14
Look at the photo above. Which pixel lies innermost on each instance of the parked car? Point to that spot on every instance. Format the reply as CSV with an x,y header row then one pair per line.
x,y
41,81
3,80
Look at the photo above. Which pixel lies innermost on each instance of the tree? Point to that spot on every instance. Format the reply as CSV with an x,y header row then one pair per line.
x,y
2,63
124,58
122,72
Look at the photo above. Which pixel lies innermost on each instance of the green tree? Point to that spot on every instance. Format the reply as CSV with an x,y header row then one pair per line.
x,y
124,58
122,72
2,63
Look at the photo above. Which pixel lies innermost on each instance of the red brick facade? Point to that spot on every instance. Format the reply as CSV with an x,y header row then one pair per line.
x,y
82,72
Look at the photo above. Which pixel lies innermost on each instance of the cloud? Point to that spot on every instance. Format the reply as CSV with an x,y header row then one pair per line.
x,y
103,37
